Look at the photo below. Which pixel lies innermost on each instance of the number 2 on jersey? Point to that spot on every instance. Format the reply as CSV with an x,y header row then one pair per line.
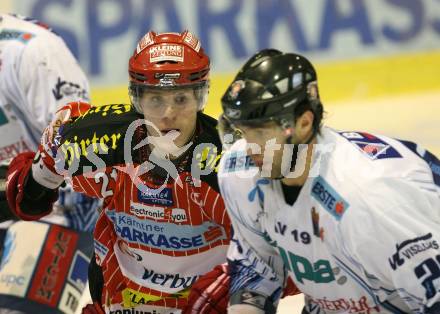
x,y
103,178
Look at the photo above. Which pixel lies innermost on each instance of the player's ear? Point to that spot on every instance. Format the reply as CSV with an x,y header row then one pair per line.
x,y
304,126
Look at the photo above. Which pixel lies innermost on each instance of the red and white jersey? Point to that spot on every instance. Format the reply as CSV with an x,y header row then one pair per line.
x,y
152,240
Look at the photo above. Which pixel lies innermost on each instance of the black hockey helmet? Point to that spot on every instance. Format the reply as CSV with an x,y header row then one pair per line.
x,y
273,86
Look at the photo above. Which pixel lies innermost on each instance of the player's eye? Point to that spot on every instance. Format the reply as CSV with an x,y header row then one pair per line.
x,y
181,99
156,101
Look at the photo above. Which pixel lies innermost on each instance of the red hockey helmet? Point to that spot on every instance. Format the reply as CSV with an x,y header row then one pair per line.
x,y
169,61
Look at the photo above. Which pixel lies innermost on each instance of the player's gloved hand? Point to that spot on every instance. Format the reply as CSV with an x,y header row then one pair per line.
x,y
27,198
210,293
290,289
94,308
5,212
18,170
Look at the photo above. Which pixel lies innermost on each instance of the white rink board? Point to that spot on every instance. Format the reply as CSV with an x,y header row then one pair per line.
x,y
414,117
291,305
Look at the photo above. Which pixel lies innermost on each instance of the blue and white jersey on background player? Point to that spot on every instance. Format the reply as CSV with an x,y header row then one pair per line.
x,y
38,75
362,237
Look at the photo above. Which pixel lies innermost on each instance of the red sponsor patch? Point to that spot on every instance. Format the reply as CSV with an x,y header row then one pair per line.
x,y
192,41
53,267
166,52
145,41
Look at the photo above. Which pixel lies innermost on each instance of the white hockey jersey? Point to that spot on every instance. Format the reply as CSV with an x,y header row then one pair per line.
x,y
29,94
38,75
362,237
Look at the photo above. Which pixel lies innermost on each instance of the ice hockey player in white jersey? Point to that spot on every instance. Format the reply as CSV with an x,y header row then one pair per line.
x,y
353,218
38,75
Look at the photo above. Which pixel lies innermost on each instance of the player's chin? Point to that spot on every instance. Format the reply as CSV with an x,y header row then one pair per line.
x,y
182,140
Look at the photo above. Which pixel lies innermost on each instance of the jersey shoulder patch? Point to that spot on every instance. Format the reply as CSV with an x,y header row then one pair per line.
x,y
370,145
99,131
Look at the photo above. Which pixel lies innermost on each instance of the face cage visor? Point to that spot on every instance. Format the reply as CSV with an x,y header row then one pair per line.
x,y
154,100
232,131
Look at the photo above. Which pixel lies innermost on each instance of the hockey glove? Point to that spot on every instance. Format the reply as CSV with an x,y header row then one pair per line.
x,y
210,293
94,308
5,211
27,198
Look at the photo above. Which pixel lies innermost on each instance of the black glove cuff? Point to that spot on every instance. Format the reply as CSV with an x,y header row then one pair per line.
x,y
96,280
37,198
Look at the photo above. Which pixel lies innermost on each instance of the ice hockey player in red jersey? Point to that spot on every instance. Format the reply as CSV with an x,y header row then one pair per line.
x,y
154,163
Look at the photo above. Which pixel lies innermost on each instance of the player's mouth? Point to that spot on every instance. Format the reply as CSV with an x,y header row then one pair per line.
x,y
169,130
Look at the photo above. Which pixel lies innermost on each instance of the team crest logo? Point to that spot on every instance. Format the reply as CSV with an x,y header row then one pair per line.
x,y
372,150
236,87
372,146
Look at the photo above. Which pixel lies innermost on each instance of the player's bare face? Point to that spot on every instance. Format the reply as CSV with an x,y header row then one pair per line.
x,y
171,111
266,146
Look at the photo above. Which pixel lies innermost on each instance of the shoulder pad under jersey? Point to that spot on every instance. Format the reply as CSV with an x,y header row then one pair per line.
x,y
96,138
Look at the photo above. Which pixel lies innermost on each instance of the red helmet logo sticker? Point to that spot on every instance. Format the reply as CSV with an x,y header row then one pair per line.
x,y
145,41
192,41
166,52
